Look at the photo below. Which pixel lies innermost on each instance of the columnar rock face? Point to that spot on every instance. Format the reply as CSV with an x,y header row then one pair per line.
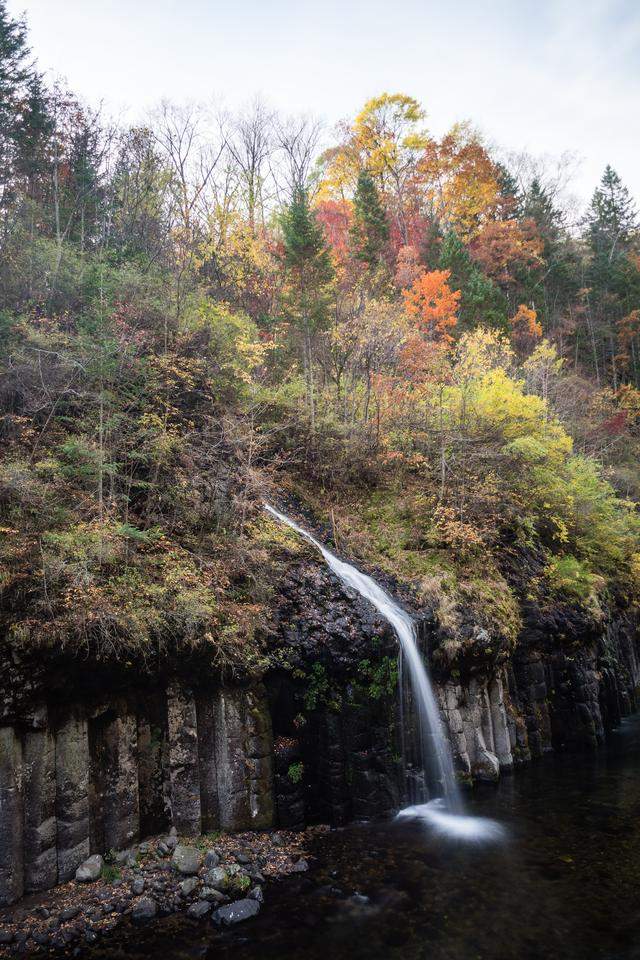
x,y
184,767
99,775
40,824
11,814
121,806
233,798
72,796
339,740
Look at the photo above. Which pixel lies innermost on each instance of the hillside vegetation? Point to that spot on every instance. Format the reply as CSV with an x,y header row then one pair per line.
x,y
406,334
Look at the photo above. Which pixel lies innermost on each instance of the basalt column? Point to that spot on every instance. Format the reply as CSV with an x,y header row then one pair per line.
x,y
11,816
72,796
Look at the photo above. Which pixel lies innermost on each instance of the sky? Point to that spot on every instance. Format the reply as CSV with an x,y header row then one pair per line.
x,y
546,76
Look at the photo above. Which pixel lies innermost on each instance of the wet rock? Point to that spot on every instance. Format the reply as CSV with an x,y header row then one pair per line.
x,y
186,860
218,878
199,909
144,909
189,886
486,766
90,870
208,893
256,894
236,912
300,866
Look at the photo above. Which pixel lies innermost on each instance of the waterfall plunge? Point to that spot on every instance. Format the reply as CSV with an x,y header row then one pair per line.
x,y
444,814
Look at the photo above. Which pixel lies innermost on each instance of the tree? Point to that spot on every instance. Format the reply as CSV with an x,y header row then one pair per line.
x,y
17,82
308,264
481,300
434,304
611,217
370,231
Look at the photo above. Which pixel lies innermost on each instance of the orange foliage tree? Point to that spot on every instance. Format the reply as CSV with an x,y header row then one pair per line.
x,y
525,328
434,303
505,246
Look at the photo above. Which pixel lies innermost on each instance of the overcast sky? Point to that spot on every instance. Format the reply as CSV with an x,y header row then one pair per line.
x,y
547,76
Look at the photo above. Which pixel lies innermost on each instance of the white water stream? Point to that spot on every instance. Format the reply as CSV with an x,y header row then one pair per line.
x,y
445,814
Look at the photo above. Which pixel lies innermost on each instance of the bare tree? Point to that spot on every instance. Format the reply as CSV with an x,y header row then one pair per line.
x,y
251,145
298,140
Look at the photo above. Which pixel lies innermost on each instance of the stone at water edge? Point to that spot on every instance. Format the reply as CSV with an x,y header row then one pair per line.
x,y
256,894
144,909
300,866
186,860
208,893
236,912
199,909
90,870
486,767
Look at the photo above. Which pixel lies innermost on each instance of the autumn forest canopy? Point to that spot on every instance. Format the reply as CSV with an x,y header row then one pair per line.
x,y
408,335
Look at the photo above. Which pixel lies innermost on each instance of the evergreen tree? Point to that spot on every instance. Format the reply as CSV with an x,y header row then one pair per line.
x,y
370,230
482,302
308,264
539,207
611,217
510,197
15,76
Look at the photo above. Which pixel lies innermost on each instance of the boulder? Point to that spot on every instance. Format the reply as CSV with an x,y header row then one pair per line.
x,y
218,878
144,909
188,886
208,893
211,859
90,869
486,766
186,860
199,909
236,912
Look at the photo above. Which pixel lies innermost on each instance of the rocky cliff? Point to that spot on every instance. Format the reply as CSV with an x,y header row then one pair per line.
x,y
92,758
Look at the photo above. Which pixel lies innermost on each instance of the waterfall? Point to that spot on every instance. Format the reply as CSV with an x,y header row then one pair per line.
x,y
435,753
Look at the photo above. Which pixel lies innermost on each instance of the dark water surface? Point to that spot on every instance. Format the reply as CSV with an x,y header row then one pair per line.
x,y
564,884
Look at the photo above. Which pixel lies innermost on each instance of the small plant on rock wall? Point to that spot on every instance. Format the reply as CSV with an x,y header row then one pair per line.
x,y
381,678
318,688
296,772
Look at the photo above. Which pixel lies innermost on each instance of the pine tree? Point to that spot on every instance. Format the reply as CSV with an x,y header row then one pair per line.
x,y
611,217
539,207
370,230
509,195
15,75
482,302
310,271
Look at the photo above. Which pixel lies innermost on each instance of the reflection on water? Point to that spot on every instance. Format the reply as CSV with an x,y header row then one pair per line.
x,y
564,882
